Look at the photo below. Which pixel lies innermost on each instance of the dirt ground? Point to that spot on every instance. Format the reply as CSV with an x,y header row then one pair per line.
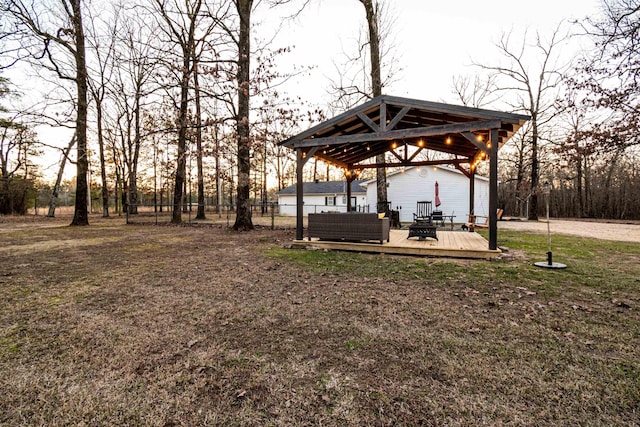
x,y
197,325
615,230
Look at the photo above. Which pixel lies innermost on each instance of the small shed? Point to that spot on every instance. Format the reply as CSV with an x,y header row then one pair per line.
x,y
322,196
409,185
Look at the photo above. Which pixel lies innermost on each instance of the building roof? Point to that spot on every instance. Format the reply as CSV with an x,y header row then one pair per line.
x,y
324,187
386,123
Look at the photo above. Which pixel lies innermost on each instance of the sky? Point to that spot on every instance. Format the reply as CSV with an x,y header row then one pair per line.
x,y
434,40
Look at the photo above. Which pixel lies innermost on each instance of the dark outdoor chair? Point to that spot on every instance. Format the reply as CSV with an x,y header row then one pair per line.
x,y
422,226
423,213
438,218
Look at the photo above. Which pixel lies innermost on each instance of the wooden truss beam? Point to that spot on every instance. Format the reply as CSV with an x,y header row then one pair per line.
x,y
400,134
410,163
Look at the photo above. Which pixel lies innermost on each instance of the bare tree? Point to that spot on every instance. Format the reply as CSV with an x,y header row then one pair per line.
x,y
361,76
609,75
186,26
58,44
475,91
536,92
243,213
372,9
56,186
100,76
198,128
17,143
131,85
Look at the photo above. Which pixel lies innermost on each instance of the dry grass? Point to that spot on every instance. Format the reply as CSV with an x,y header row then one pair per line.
x,y
143,325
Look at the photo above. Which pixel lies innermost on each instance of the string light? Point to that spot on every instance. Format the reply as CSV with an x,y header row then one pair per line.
x,y
448,140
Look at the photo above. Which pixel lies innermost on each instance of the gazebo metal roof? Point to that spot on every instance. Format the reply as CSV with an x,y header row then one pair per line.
x,y
359,134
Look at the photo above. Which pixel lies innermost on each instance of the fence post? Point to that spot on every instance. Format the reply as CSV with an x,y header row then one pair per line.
x,y
273,216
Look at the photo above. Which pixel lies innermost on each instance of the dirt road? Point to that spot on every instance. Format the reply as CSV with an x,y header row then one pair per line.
x,y
623,232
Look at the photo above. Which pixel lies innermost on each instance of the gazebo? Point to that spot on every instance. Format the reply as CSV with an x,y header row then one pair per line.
x,y
405,127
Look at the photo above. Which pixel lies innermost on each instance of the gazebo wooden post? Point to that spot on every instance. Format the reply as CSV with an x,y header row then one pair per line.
x,y
472,191
300,161
349,175
493,190
349,181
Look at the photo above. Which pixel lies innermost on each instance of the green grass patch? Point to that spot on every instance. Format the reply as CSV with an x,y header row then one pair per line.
x,y
366,265
598,264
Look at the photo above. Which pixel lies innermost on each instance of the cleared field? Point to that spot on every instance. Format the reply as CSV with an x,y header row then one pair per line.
x,y
197,325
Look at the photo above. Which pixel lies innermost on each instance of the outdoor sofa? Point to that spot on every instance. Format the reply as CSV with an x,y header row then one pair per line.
x,y
351,226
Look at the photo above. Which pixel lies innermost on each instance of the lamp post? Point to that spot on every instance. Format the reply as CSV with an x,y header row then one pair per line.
x,y
549,263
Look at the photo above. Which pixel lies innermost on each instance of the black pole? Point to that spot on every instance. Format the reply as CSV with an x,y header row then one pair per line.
x,y
493,190
299,195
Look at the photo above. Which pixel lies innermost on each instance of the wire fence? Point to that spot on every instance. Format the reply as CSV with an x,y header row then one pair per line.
x,y
264,215
271,214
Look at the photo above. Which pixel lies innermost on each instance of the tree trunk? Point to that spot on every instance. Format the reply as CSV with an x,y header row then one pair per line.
x,y
587,188
178,195
376,87
186,205
103,169
200,214
264,196
243,212
135,155
81,213
608,210
579,187
535,173
219,195
56,187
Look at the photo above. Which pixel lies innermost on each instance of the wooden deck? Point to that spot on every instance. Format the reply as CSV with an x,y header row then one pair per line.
x,y
452,244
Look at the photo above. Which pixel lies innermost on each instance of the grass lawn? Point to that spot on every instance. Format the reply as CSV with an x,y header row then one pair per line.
x,y
162,325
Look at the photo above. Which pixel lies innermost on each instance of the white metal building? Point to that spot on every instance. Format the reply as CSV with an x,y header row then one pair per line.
x,y
405,188
322,196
